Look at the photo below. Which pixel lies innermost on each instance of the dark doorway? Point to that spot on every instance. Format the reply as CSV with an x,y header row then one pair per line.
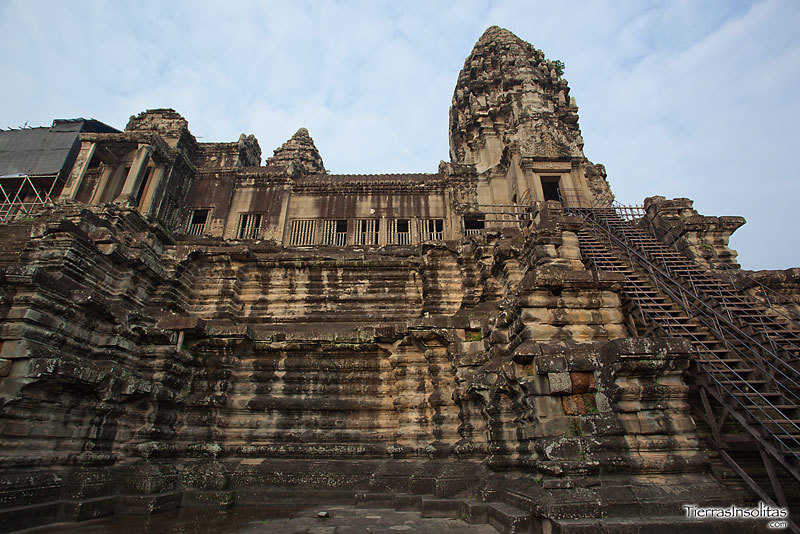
x,y
550,188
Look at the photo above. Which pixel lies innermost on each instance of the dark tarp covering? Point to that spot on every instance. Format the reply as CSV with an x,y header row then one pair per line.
x,y
42,151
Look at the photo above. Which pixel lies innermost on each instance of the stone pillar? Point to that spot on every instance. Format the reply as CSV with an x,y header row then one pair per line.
x,y
284,229
533,178
566,184
102,183
579,178
485,195
499,188
75,178
537,187
147,197
521,177
135,175
453,228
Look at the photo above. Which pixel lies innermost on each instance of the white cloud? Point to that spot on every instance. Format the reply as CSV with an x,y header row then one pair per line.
x,y
683,98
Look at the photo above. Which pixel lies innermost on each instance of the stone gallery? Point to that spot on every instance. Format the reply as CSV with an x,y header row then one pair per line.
x,y
498,341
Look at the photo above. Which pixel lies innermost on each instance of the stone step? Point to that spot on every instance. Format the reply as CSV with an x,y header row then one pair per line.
x,y
12,519
208,498
433,507
322,450
408,502
508,519
289,497
474,512
148,504
375,500
364,424
308,404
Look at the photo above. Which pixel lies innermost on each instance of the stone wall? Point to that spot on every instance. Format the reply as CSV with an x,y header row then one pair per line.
x,y
779,290
256,286
139,373
244,153
699,237
566,409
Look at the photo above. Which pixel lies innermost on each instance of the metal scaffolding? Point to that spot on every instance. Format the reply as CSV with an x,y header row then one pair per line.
x,y
22,195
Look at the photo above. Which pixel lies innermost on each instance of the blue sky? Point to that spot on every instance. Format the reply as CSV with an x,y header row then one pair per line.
x,y
685,98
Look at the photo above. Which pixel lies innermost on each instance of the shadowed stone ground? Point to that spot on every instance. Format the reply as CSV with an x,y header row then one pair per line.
x,y
342,520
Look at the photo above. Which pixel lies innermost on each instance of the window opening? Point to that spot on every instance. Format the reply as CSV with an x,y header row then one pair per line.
x,y
432,229
137,199
197,222
473,225
399,232
550,188
249,226
334,233
114,186
302,232
367,231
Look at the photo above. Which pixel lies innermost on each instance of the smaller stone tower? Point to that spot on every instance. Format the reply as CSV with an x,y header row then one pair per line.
x,y
298,154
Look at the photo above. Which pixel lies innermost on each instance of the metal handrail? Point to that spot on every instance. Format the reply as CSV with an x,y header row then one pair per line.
x,y
715,313
795,316
656,276
616,207
719,274
704,363
651,260
719,297
670,330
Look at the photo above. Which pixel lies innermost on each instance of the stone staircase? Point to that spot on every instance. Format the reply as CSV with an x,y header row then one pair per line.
x,y
745,359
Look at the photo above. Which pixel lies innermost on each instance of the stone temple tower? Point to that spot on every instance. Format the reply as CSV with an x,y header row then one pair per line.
x,y
512,117
184,323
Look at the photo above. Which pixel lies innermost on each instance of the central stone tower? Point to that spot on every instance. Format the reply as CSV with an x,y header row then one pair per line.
x,y
512,117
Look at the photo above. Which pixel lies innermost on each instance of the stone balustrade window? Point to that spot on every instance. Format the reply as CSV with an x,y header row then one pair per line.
x,y
197,222
431,229
399,232
367,231
302,232
334,233
473,225
249,226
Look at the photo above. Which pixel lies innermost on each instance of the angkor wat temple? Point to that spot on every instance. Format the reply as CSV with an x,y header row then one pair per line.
x,y
498,341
